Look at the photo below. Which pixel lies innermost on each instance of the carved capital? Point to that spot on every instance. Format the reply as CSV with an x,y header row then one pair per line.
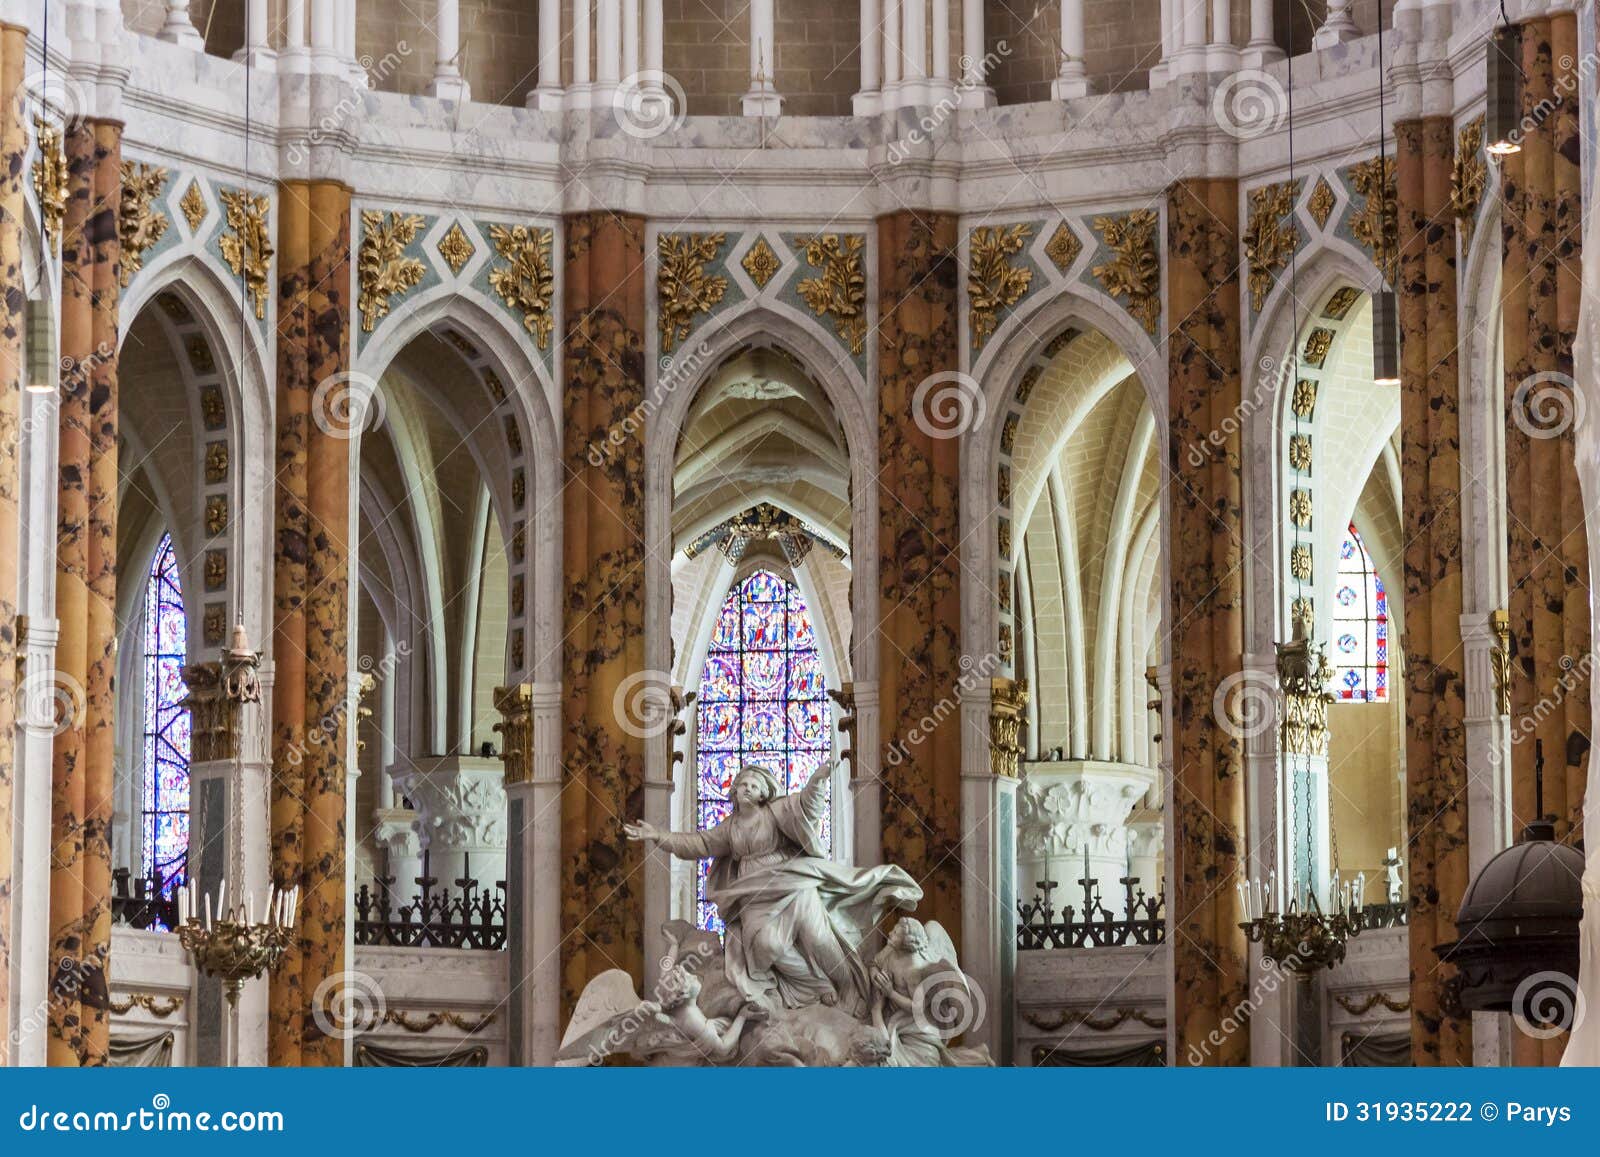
x,y
1007,699
214,731
515,704
1303,674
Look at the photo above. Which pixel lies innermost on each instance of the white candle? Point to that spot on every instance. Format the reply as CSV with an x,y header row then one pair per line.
x,y
222,896
208,911
249,908
183,906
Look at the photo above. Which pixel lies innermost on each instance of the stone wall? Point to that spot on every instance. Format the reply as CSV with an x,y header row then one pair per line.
x,y
706,49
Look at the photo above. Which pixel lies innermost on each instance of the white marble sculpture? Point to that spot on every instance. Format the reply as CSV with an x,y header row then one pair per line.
x,y
795,982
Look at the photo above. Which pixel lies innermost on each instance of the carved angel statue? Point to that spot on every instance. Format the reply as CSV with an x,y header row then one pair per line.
x,y
922,999
795,919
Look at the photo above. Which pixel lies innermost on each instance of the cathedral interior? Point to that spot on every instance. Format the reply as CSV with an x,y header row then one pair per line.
x,y
1107,483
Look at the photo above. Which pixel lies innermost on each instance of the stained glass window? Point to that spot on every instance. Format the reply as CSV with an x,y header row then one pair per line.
x,y
1360,625
761,701
164,806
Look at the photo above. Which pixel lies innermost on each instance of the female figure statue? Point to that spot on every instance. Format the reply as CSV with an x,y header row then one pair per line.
x,y
795,919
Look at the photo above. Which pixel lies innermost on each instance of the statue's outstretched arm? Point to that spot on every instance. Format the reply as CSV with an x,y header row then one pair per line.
x,y
685,845
814,796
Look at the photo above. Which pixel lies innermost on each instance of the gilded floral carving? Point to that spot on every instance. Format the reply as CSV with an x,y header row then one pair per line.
x,y
683,287
139,223
50,178
993,282
217,462
841,290
1375,223
527,282
383,271
1300,452
456,247
1321,203
1318,344
1469,178
193,205
1305,398
761,263
1133,274
1269,242
1338,307
1300,562
1063,247
1300,507
216,514
246,243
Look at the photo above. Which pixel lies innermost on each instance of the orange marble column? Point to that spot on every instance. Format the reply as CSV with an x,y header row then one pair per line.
x,y
1435,687
602,894
919,542
13,148
101,576
286,1000
1547,565
311,614
1211,963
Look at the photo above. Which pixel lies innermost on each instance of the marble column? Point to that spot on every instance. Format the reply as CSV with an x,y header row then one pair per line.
x,y
866,100
762,100
313,689
603,552
548,93
530,745
1435,688
922,669
80,877
1207,640
1071,80
1547,564
448,82
13,147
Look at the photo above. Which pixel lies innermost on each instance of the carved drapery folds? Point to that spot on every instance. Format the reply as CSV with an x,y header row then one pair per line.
x,y
1008,698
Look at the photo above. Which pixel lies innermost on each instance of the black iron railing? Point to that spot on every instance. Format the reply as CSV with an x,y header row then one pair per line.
x,y
1091,925
149,902
433,917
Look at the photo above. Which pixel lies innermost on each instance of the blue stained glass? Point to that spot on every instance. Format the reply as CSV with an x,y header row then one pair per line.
x,y
1361,625
164,795
762,700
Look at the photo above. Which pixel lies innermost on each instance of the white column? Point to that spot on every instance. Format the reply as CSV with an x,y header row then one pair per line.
x,y
1262,49
913,52
652,38
448,82
891,54
975,52
547,94
1158,74
1338,28
179,27
762,100
941,43
582,78
323,37
867,101
1071,81
347,44
608,47
1221,55
256,48
630,38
